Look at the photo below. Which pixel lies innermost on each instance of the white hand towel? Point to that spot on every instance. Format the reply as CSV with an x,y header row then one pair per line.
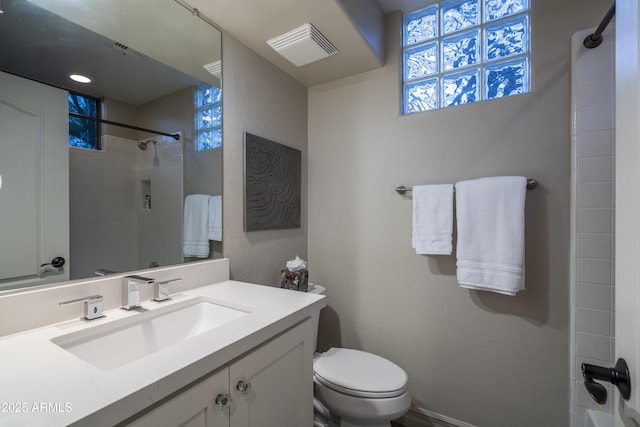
x,y
196,223
432,219
215,218
490,244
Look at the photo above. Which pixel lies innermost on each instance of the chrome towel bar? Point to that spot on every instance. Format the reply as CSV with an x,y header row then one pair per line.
x,y
531,184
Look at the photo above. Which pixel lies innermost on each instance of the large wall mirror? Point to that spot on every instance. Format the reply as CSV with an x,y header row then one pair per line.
x,y
117,202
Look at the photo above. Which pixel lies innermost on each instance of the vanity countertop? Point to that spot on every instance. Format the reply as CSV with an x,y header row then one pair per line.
x,y
42,384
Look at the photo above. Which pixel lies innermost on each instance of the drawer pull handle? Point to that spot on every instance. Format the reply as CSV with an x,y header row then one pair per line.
x,y
222,400
243,387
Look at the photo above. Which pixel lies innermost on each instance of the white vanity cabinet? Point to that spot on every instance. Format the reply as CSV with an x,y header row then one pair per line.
x,y
262,360
195,407
270,386
280,378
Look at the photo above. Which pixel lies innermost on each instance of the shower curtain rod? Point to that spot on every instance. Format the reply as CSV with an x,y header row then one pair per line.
x,y
195,12
175,136
594,40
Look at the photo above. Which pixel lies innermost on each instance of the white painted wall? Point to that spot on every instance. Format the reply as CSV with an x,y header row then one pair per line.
x,y
593,209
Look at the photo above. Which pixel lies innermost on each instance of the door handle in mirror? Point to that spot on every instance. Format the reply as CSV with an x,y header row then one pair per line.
x,y
56,262
55,266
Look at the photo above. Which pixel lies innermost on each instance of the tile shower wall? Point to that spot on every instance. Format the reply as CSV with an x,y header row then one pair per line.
x,y
160,222
106,206
102,195
593,207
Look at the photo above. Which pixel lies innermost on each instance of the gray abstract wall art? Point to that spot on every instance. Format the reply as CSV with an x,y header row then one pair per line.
x,y
272,184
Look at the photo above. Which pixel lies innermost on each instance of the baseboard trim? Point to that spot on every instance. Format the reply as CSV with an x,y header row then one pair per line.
x,y
419,417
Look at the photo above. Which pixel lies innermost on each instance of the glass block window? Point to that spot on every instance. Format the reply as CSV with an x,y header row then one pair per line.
x,y
208,118
462,51
84,133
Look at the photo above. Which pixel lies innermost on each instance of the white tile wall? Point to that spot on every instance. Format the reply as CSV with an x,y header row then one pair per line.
x,y
596,271
106,206
101,208
593,208
594,296
594,194
159,234
593,321
594,220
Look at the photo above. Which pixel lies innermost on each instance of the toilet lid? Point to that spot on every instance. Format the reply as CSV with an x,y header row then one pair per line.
x,y
359,373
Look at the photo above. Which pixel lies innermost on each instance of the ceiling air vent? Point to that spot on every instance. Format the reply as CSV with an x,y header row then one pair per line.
x,y
215,68
303,45
125,50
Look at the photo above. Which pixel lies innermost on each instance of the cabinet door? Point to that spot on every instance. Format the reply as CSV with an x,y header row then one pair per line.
x,y
280,374
195,407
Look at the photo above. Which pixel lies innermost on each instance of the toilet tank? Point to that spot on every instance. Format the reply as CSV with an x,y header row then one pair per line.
x,y
320,290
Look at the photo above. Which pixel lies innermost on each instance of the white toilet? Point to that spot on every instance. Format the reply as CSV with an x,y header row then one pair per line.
x,y
361,388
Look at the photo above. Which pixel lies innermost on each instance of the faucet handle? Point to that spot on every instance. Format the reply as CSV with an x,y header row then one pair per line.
x,y
131,290
161,290
92,306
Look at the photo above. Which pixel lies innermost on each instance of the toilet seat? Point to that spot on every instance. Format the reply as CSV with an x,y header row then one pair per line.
x,y
359,374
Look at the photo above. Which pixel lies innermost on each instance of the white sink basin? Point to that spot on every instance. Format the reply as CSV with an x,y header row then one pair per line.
x,y
117,343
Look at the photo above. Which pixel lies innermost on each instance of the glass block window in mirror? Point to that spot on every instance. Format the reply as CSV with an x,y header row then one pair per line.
x,y
462,51
84,133
208,118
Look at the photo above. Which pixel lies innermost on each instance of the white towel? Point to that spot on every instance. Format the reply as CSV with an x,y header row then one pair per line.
x,y
432,219
215,218
490,244
196,222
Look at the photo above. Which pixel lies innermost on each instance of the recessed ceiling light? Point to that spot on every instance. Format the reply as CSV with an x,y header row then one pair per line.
x,y
79,78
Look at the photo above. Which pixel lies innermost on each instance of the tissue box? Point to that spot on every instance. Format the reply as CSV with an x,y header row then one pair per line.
x,y
296,280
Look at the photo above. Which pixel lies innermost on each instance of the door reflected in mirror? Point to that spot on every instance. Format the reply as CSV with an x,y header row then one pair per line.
x,y
126,187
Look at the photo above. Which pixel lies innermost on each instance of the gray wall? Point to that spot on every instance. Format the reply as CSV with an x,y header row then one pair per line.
x,y
260,99
483,358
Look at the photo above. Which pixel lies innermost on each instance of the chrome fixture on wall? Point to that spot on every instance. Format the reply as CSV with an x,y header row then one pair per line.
x,y
531,184
142,145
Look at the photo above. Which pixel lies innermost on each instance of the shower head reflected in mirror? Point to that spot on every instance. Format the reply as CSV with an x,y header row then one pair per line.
x,y
142,145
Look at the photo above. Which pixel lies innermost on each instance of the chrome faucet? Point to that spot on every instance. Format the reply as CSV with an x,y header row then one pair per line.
x,y
92,306
161,290
131,290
